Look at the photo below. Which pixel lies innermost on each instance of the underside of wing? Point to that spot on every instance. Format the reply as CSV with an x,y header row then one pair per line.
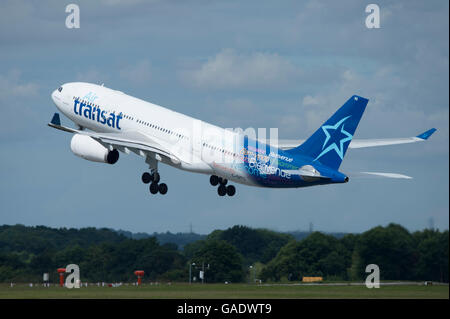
x,y
135,142
126,142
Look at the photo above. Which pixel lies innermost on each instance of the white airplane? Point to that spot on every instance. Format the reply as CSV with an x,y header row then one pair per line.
x,y
110,121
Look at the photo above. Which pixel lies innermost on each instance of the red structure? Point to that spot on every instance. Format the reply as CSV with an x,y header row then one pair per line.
x,y
139,274
61,272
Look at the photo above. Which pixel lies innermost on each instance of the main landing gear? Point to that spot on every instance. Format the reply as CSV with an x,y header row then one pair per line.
x,y
153,179
223,189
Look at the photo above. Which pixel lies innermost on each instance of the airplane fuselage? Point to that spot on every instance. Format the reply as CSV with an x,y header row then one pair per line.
x,y
200,146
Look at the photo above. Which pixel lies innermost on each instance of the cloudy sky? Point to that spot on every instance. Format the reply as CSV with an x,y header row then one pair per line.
x,y
235,64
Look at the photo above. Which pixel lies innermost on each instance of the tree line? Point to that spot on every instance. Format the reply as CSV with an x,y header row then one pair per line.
x,y
236,254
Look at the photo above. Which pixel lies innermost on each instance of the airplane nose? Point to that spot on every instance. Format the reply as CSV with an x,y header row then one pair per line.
x,y
54,96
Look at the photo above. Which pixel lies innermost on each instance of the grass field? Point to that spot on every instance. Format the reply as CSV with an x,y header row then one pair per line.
x,y
233,291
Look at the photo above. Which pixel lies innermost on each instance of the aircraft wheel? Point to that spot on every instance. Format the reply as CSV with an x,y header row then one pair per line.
x,y
156,177
214,180
162,188
223,181
154,188
221,190
146,178
231,190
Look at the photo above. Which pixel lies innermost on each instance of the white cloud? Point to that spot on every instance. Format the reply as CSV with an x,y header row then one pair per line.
x,y
309,100
228,69
92,76
18,105
125,2
139,73
11,86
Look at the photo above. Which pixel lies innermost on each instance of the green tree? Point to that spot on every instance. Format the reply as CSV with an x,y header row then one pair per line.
x,y
316,255
432,255
253,244
391,248
225,262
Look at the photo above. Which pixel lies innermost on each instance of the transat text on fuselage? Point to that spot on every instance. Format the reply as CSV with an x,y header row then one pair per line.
x,y
94,113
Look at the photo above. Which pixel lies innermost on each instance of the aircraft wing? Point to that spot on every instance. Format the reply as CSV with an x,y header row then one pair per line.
x,y
126,142
362,143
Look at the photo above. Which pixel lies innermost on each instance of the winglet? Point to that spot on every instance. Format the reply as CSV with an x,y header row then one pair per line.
x,y
56,123
427,134
56,120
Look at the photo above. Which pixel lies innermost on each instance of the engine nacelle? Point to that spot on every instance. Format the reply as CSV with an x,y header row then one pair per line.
x,y
86,147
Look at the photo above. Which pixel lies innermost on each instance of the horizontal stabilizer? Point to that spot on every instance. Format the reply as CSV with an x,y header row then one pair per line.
x,y
378,175
307,173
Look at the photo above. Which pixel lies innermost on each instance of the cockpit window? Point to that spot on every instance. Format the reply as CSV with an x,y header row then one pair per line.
x,y
60,89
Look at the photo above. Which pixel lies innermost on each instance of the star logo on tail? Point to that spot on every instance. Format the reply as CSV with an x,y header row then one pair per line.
x,y
336,139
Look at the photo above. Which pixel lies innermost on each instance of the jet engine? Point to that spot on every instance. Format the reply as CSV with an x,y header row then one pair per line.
x,y
86,147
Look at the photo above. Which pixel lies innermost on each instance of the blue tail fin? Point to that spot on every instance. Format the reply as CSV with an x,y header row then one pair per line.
x,y
329,143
